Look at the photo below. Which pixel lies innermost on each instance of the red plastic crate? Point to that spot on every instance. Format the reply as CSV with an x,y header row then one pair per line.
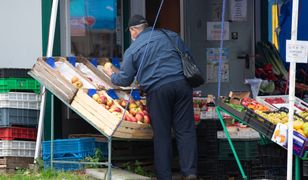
x,y
15,133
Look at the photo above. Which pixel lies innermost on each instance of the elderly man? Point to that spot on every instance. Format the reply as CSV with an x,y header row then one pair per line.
x,y
157,66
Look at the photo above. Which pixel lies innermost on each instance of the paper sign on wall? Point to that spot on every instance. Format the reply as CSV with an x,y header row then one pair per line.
x,y
212,67
214,31
238,10
297,51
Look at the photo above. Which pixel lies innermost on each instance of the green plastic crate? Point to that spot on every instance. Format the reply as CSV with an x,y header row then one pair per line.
x,y
246,149
19,84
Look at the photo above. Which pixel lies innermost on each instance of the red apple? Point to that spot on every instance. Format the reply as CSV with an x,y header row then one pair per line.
x,y
133,119
139,117
104,99
145,112
127,117
146,119
141,112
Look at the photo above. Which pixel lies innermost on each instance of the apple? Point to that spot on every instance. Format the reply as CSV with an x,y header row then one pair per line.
x,y
133,111
117,109
99,100
95,97
132,105
126,117
141,112
109,102
107,66
139,117
145,112
78,84
114,108
104,99
74,79
138,103
133,119
146,119
123,103
107,107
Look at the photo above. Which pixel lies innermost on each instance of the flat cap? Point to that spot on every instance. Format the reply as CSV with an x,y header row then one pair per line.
x,y
136,20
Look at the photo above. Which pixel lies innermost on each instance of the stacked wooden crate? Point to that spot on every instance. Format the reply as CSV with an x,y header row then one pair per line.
x,y
19,113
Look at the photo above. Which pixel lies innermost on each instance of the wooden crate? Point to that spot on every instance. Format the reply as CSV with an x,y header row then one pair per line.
x,y
99,72
106,122
53,80
10,164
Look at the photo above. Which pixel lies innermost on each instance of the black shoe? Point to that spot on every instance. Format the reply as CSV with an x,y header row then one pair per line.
x,y
190,177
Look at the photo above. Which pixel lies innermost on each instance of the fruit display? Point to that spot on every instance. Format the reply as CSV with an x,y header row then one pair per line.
x,y
276,116
275,100
283,101
304,114
136,110
301,127
254,105
76,82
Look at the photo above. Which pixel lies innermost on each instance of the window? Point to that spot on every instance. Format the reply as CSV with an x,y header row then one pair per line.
x,y
95,28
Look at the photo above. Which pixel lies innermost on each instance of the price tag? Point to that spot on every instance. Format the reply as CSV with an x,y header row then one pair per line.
x,y
297,51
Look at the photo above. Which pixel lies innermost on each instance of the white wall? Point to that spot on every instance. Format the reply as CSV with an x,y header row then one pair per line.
x,y
20,33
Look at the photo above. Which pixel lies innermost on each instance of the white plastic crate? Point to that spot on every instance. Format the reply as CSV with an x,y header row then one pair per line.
x,y
299,105
20,100
17,148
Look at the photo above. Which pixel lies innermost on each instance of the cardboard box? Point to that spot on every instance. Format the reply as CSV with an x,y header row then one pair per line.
x,y
236,96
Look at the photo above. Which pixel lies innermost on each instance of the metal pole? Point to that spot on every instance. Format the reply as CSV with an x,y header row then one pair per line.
x,y
292,92
51,130
52,26
109,158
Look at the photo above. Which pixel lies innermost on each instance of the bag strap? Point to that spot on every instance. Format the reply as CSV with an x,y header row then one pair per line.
x,y
173,43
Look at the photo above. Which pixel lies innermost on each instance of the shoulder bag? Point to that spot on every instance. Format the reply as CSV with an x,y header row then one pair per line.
x,y
191,71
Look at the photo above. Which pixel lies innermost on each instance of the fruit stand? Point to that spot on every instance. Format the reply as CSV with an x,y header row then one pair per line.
x,y
270,121
89,92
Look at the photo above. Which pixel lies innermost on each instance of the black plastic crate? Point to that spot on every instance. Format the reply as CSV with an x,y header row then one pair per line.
x,y
246,149
229,168
208,150
207,168
207,130
259,123
272,150
305,168
14,73
273,172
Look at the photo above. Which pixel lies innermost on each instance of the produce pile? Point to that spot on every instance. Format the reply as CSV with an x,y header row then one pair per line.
x,y
276,116
136,109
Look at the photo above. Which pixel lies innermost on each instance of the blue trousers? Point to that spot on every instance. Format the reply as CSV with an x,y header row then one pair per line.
x,y
171,107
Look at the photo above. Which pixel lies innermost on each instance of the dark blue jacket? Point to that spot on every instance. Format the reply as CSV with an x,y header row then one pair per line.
x,y
161,62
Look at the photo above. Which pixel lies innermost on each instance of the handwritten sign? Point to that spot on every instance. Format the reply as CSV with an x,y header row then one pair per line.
x,y
297,51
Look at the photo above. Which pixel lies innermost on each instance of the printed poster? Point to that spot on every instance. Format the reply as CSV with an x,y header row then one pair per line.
x,y
214,31
212,67
238,10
